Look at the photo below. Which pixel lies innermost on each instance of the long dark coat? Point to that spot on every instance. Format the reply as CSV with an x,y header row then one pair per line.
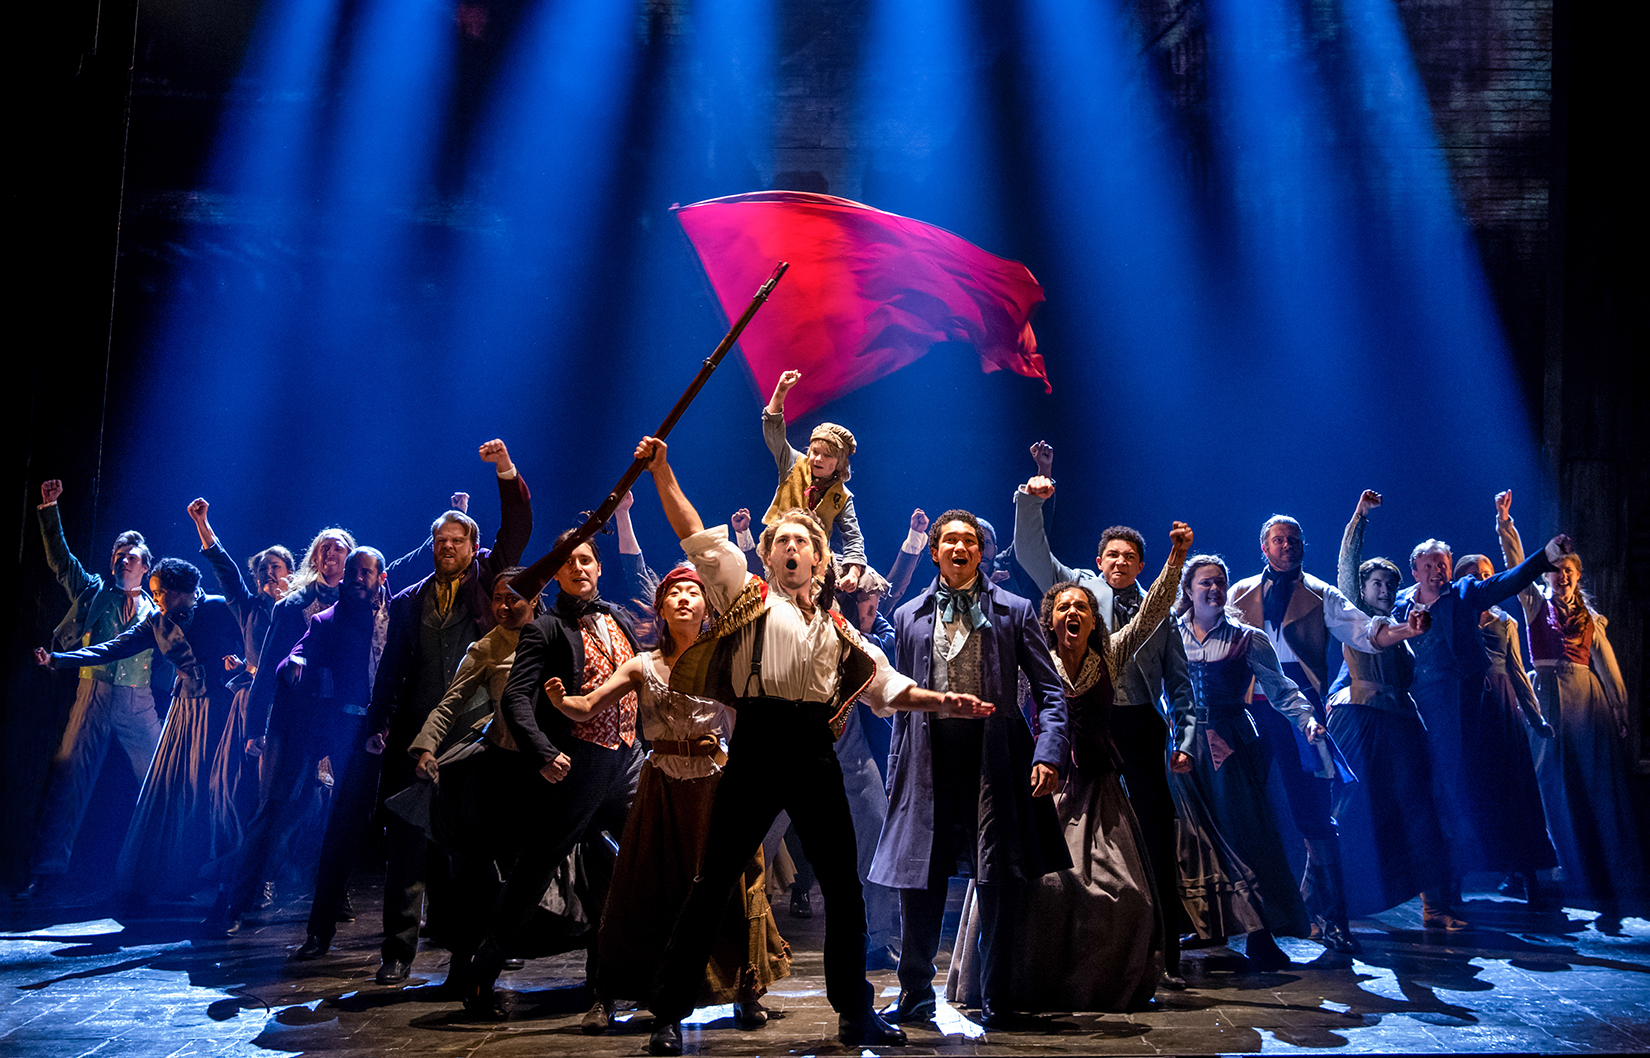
x,y
1020,836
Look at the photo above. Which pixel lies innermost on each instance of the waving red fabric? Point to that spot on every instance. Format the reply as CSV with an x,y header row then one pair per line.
x,y
867,292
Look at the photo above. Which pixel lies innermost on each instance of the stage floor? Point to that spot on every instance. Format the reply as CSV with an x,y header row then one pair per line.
x,y
80,984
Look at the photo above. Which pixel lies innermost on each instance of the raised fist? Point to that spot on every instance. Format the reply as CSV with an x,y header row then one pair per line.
x,y
1503,505
919,521
1368,502
197,510
740,521
495,453
1180,539
50,491
1042,454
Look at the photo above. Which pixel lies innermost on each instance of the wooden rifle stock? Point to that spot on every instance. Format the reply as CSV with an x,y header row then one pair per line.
x,y
532,580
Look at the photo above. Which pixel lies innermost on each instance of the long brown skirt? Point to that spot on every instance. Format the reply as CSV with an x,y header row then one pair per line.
x,y
664,840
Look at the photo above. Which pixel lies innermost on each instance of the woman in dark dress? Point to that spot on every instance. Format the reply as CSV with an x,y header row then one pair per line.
x,y
169,841
1093,938
235,775
1234,875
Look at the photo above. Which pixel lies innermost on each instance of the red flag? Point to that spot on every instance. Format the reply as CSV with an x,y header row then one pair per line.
x,y
867,292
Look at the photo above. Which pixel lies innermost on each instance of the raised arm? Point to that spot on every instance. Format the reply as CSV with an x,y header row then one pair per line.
x,y
681,515
64,565
905,562
581,707
1512,552
515,522
773,424
235,589
1031,548
1352,544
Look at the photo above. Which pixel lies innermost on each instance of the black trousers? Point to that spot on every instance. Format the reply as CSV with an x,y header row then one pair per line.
x,y
1142,740
957,750
782,758
545,821
289,762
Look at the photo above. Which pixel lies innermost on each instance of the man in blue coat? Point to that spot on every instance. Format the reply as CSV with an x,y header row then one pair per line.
x,y
970,793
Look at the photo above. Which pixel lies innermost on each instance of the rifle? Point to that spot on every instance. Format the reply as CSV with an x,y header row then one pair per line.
x,y
532,580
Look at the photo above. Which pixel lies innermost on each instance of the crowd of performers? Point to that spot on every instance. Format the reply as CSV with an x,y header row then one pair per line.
x,y
1091,749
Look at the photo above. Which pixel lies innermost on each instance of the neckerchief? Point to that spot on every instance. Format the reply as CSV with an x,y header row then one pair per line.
x,y
1125,603
954,604
817,490
446,591
128,606
1276,588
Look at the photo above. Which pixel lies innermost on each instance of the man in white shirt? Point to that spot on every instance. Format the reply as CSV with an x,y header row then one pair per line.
x,y
792,669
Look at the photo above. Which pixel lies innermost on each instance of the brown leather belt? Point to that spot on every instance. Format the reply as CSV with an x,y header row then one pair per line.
x,y
702,746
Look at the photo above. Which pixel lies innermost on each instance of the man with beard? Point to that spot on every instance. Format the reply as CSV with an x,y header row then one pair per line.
x,y
320,710
432,624
1299,614
1155,674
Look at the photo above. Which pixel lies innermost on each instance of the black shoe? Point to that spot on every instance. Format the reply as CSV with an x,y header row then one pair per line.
x,y
914,1008
868,1030
802,904
313,947
346,910
485,1005
1263,953
1171,982
1337,936
666,1038
994,1017
883,958
393,972
749,1015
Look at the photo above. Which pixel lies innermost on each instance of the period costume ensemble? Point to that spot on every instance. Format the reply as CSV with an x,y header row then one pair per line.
x,y
959,790
169,841
1234,873
113,702
1584,771
432,625
1148,686
1483,779
321,715
1093,934
660,853
1389,855
1301,615
234,775
831,502
792,676
580,642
